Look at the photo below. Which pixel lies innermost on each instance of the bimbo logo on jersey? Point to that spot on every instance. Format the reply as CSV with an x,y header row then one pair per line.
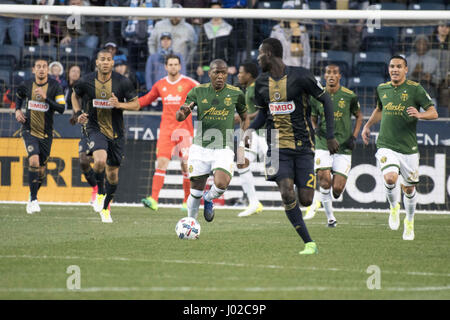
x,y
102,104
38,106
282,107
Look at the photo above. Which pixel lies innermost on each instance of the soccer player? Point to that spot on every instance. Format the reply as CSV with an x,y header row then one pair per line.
x,y
332,170
398,108
174,137
213,145
247,74
281,93
105,93
42,97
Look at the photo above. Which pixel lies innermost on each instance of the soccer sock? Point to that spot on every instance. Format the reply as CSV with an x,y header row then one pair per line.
x,y
410,201
33,181
391,194
110,190
248,185
157,183
327,203
214,193
100,178
90,177
193,202
40,180
294,215
186,186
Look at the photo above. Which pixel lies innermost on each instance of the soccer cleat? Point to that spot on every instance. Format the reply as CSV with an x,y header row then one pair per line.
x,y
151,203
253,209
394,217
93,194
408,232
208,209
98,203
332,223
312,210
33,206
184,207
106,216
310,248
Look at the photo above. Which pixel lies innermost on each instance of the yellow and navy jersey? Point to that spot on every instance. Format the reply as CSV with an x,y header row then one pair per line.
x,y
95,95
39,111
286,102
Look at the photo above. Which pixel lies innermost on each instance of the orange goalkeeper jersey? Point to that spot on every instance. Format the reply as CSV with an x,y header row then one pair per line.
x,y
173,95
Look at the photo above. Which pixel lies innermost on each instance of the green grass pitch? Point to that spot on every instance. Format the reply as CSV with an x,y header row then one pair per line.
x,y
139,256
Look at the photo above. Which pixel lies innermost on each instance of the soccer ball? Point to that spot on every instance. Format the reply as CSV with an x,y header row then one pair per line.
x,y
188,228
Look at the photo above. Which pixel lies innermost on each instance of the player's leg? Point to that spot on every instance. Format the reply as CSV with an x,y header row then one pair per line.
x,y
112,179
186,183
409,168
164,148
199,168
389,165
325,182
98,146
223,168
248,186
85,159
32,146
322,162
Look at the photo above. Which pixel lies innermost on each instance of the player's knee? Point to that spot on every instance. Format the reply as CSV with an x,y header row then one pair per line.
x,y
325,183
337,191
100,164
33,161
288,196
408,189
306,201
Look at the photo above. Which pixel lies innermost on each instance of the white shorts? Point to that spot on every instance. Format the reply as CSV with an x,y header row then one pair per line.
x,y
337,163
407,165
257,148
202,161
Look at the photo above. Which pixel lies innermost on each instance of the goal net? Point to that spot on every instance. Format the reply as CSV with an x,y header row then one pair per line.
x,y
359,40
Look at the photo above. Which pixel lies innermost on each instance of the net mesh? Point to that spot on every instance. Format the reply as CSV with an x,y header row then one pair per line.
x,y
361,51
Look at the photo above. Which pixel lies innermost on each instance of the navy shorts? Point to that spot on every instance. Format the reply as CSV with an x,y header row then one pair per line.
x,y
291,164
34,146
83,145
113,147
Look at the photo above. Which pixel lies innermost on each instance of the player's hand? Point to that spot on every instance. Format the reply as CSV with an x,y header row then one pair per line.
x,y
73,119
350,143
20,116
83,118
333,145
365,134
413,112
41,92
114,101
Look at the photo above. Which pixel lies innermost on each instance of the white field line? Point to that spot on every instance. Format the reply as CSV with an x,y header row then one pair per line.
x,y
214,289
3,203
225,264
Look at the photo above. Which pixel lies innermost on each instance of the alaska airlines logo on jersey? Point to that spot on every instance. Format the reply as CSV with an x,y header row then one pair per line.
x,y
217,112
101,104
282,107
394,107
172,99
38,106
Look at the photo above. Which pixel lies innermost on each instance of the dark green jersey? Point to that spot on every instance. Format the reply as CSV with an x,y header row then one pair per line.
x,y
215,114
397,128
250,98
345,103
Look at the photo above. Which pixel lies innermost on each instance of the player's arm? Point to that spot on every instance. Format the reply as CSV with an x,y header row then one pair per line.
x,y
332,143
375,117
184,111
58,103
355,109
21,94
132,105
429,114
149,97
